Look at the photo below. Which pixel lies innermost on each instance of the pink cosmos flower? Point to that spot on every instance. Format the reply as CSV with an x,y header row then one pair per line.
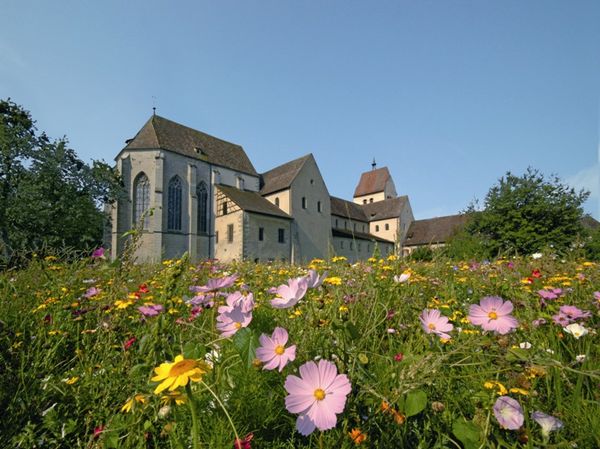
x,y
434,323
574,313
151,309
91,292
313,279
561,319
202,300
98,253
508,412
273,352
290,294
215,284
493,314
317,395
237,313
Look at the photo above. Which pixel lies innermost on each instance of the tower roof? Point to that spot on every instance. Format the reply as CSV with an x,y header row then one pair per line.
x,y
164,134
372,182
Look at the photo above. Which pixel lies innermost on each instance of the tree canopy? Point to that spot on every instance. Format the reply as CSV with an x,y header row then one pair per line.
x,y
49,197
527,213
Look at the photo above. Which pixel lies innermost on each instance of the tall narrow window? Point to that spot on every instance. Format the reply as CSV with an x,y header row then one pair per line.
x,y
277,201
318,206
303,202
281,235
202,195
174,204
376,228
141,199
336,223
229,233
224,207
387,227
261,234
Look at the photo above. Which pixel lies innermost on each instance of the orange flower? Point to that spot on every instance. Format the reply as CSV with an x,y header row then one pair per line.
x,y
357,436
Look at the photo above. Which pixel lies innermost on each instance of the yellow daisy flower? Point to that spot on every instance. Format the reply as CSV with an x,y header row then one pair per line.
x,y
178,373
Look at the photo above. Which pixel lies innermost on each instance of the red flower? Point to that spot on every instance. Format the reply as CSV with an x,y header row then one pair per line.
x,y
536,273
399,357
98,430
128,343
143,288
245,443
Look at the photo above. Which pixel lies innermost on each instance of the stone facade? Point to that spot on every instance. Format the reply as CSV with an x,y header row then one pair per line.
x,y
201,195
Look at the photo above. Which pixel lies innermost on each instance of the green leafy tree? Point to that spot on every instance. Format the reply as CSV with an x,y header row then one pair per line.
x,y
51,198
526,213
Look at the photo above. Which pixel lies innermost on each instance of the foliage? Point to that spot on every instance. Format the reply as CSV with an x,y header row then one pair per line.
x,y
422,254
526,213
71,360
466,245
49,198
591,244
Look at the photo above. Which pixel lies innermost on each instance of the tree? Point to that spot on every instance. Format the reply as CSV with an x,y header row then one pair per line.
x,y
51,198
527,213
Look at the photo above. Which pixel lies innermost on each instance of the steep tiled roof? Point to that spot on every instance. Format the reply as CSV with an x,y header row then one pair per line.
x,y
434,230
347,209
160,133
281,177
372,182
357,235
590,222
252,201
381,210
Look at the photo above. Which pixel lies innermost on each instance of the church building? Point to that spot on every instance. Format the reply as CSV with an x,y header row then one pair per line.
x,y
191,192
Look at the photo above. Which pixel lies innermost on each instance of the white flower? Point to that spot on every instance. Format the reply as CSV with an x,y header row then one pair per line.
x,y
402,278
536,256
580,358
525,345
576,330
549,351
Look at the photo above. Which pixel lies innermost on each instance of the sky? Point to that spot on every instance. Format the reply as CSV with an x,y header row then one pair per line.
x,y
449,95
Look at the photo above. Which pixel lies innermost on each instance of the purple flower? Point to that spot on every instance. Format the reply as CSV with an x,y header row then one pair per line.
x,y
151,309
434,323
548,423
207,301
561,319
538,322
273,352
508,412
290,294
98,253
574,313
493,314
318,395
313,279
237,313
92,291
215,284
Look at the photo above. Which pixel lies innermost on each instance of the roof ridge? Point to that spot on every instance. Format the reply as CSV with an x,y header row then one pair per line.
x,y
194,130
305,157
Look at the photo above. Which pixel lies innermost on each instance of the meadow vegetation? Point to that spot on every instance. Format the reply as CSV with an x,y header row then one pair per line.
x,y
99,354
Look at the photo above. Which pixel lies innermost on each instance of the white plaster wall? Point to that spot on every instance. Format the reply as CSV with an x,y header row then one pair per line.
x,y
311,230
269,249
225,251
371,198
284,200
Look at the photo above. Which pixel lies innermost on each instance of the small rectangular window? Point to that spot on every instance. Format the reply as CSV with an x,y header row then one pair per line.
x,y
281,235
229,233
217,237
261,234
351,245
303,202
224,207
376,228
318,206
341,244
387,227
277,201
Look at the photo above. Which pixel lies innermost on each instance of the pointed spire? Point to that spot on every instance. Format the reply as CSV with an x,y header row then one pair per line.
x,y
373,164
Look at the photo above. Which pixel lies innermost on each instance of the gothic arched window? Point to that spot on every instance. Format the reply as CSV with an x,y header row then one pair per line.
x,y
174,204
141,199
202,194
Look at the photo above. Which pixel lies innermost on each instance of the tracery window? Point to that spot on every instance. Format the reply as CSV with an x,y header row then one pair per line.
x,y
174,204
141,199
202,194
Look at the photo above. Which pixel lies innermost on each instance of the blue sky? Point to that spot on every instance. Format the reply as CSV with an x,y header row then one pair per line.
x,y
448,94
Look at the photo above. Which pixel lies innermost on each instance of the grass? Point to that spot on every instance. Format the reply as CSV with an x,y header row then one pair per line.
x,y
68,364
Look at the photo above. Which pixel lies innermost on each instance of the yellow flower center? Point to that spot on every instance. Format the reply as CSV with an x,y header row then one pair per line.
x,y
319,394
238,325
279,350
182,367
493,315
431,326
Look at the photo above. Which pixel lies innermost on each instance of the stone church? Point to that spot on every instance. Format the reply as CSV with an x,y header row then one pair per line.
x,y
195,193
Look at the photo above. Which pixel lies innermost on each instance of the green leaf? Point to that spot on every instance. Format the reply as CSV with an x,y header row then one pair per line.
x,y
352,331
246,343
193,350
416,401
467,432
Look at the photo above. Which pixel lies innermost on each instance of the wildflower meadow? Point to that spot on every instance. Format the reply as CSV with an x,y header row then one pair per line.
x,y
387,353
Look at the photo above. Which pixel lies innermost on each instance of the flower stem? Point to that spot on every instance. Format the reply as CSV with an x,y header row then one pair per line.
x,y
237,437
188,390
